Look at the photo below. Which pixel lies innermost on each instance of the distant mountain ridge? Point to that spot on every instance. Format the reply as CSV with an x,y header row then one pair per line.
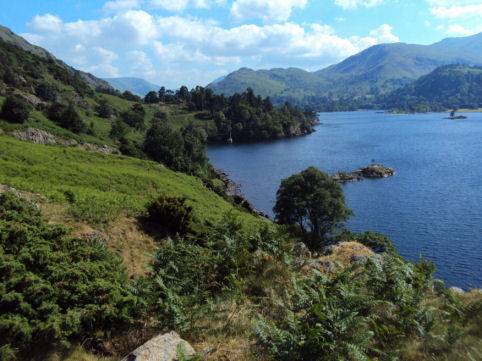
x,y
137,86
377,70
10,37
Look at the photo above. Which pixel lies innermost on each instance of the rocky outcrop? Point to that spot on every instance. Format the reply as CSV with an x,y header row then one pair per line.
x,y
372,171
35,136
39,136
167,347
233,190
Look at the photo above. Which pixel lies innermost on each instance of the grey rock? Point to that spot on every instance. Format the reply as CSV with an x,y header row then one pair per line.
x,y
35,136
457,290
300,250
167,347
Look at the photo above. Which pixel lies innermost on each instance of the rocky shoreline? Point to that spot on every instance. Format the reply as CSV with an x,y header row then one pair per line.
x,y
373,171
233,191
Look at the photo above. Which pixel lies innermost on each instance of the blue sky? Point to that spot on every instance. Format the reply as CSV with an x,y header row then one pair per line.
x,y
175,42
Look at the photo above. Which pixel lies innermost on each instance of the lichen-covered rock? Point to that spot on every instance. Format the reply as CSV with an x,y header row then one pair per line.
x,y
167,347
35,136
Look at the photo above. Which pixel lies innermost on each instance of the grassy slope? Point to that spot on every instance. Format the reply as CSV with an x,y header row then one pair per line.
x,y
105,186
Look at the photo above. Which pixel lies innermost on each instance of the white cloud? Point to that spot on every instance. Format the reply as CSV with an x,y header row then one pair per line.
x,y
121,5
181,5
384,34
268,10
460,30
46,23
457,11
353,4
135,42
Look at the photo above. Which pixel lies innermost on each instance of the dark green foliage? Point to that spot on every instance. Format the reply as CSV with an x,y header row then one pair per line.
x,y
447,87
54,288
135,117
315,202
104,109
160,115
131,148
189,273
172,215
151,98
15,109
165,144
119,130
183,150
46,92
66,116
366,312
247,117
127,95
243,117
24,70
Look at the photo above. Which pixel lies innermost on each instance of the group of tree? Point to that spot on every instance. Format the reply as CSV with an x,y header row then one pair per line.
x,y
179,149
240,117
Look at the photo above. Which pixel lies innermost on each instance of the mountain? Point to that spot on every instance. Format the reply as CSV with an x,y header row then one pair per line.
x,y
137,86
377,70
10,37
447,87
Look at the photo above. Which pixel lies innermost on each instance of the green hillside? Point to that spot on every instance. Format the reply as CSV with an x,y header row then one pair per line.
x,y
137,86
447,87
355,81
104,186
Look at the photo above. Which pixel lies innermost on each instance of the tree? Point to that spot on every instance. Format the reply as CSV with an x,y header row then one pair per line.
x,y
195,156
135,117
15,109
184,94
119,130
127,95
165,145
71,120
162,94
46,92
151,98
314,201
66,116
104,109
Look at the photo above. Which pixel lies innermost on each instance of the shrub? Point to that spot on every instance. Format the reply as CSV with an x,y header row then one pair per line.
x,y
119,130
53,288
368,311
15,109
66,116
171,214
135,117
104,109
46,92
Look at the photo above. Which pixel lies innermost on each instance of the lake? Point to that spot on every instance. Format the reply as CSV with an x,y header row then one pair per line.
x,y
432,207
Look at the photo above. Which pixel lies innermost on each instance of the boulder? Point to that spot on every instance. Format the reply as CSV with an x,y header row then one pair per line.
x,y
167,347
35,136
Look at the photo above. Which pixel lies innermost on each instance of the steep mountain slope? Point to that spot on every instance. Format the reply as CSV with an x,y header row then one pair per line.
x,y
10,37
376,70
447,87
137,86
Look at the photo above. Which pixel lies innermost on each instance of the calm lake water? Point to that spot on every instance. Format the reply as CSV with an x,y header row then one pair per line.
x,y
432,207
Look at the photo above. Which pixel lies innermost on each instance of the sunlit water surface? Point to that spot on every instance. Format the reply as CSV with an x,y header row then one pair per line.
x,y
432,207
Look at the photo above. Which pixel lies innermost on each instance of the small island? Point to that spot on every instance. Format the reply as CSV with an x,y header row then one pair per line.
x,y
456,117
372,171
